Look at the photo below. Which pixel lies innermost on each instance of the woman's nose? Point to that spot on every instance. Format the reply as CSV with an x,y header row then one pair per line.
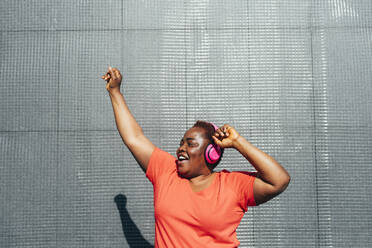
x,y
181,148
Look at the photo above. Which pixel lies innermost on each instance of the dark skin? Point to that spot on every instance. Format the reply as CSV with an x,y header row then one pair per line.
x,y
272,177
195,169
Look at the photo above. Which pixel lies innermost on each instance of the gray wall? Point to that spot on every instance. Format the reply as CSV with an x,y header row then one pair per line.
x,y
292,76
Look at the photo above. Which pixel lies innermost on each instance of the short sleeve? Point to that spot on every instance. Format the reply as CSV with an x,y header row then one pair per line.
x,y
160,163
243,183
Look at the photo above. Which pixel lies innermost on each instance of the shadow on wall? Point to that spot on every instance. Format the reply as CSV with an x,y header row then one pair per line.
x,y
130,230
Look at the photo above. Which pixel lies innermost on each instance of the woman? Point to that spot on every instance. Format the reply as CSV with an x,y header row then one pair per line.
x,y
194,205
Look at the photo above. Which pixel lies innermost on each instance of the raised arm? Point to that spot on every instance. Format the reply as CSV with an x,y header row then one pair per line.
x,y
272,177
130,132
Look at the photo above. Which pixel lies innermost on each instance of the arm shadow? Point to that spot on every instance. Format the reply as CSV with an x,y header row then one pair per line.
x,y
131,232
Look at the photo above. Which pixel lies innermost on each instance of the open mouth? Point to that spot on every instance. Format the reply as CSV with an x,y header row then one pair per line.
x,y
182,159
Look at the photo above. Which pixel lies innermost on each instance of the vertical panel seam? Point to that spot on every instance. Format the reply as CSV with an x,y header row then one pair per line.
x,y
58,115
185,47
323,239
315,136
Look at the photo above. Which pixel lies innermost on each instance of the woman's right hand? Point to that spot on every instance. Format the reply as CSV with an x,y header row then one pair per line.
x,y
113,79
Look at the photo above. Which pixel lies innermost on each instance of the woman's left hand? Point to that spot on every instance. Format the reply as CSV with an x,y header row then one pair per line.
x,y
226,136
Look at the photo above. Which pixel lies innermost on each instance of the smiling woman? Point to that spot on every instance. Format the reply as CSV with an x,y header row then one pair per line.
x,y
194,205
196,150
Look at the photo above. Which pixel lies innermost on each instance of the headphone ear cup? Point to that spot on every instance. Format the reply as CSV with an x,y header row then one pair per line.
x,y
206,154
212,154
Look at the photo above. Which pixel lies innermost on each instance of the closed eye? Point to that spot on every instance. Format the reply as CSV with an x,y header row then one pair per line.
x,y
188,143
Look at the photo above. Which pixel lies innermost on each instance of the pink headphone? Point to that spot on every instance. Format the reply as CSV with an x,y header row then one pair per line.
x,y
213,151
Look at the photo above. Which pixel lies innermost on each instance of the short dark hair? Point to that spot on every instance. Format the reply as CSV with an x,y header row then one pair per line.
x,y
209,131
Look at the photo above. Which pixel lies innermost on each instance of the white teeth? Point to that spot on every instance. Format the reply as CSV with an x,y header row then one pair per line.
x,y
181,158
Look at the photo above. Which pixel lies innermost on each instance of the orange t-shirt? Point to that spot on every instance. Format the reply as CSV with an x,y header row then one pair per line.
x,y
209,218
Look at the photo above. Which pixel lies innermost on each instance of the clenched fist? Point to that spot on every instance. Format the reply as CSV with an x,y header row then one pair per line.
x,y
113,79
226,136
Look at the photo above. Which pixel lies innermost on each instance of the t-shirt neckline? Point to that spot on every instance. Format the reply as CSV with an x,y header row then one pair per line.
x,y
203,191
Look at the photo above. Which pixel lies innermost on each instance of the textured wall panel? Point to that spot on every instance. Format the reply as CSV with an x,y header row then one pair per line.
x,y
279,14
348,131
153,14
293,77
91,174
88,15
28,189
342,13
85,57
28,15
29,76
22,15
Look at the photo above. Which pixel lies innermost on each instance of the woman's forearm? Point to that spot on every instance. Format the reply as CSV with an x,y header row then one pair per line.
x,y
125,121
268,169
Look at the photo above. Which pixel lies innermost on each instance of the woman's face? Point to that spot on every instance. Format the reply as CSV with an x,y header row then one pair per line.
x,y
190,153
